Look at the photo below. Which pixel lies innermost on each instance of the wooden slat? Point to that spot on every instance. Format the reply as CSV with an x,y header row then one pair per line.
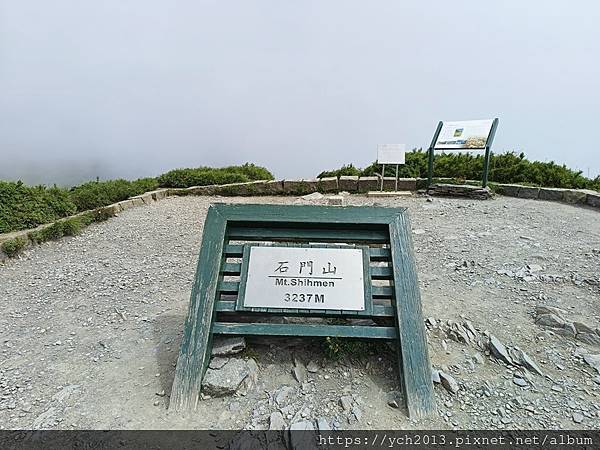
x,y
413,356
195,350
378,310
276,329
307,234
376,253
232,269
309,214
381,273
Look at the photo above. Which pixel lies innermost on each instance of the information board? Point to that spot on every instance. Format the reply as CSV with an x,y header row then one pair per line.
x,y
391,153
305,277
466,134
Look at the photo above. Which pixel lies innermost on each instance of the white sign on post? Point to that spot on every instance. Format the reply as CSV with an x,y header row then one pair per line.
x,y
306,278
466,134
391,153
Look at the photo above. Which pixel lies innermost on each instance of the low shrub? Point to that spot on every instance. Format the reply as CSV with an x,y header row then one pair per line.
x,y
206,176
13,246
95,194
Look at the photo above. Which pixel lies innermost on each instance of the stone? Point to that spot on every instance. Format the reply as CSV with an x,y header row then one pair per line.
x,y
431,322
312,367
276,421
366,184
589,338
478,358
357,412
346,403
227,379
449,383
217,362
498,349
328,184
523,359
592,361
283,394
336,200
520,381
348,183
510,190
299,371
313,196
593,200
224,346
551,194
582,328
577,417
300,187
550,320
542,309
529,192
574,196
323,424
435,376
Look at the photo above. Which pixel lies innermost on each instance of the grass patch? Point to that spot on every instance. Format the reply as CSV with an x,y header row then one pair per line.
x,y
14,246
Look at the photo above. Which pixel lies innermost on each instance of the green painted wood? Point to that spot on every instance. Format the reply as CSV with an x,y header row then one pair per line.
x,y
381,273
307,214
276,329
377,253
378,310
308,234
215,263
413,354
196,345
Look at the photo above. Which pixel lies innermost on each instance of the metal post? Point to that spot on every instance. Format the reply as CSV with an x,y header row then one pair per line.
x,y
431,149
396,177
430,167
488,152
486,167
382,176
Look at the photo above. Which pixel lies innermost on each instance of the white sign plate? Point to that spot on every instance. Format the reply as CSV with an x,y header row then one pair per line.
x,y
306,278
391,153
467,134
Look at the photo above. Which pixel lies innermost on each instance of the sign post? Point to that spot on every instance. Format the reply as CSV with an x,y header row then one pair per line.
x,y
463,135
391,154
260,260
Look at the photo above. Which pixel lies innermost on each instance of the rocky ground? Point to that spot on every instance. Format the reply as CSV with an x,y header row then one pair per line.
x,y
91,327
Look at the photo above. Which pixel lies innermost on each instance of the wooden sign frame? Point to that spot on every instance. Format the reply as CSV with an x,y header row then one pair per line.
x,y
387,234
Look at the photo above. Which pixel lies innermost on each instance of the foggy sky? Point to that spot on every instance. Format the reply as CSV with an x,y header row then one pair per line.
x,y
133,88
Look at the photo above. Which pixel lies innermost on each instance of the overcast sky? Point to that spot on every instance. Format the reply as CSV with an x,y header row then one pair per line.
x,y
136,87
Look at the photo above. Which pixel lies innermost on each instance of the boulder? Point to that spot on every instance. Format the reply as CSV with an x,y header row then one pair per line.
x,y
589,338
498,349
510,190
551,194
449,383
367,184
574,196
276,421
523,359
227,379
348,183
328,184
593,199
550,320
224,346
529,192
300,187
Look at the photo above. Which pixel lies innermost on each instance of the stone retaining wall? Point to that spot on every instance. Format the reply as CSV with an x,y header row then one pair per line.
x,y
351,184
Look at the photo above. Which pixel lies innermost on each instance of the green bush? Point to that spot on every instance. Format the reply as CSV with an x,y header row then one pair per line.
x,y
508,167
206,176
13,246
95,194
23,207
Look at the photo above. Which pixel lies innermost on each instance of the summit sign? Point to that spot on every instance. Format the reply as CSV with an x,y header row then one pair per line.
x,y
305,278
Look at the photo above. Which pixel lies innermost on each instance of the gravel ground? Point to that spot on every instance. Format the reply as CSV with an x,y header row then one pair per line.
x,y
91,325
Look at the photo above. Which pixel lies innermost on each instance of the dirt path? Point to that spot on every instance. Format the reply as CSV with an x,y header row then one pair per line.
x,y
91,324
